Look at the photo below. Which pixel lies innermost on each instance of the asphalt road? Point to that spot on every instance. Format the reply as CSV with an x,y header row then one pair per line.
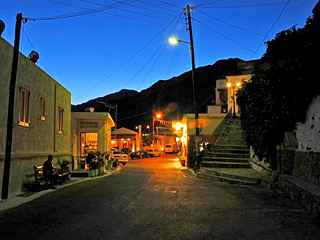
x,y
153,199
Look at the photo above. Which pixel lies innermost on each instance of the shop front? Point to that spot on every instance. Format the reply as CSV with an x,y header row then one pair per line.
x,y
91,132
125,140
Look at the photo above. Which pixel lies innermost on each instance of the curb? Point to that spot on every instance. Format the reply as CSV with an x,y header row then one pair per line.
x,y
16,201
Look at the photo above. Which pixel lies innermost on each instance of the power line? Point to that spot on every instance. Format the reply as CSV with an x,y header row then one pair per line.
x,y
154,63
141,68
149,60
250,5
125,10
133,56
44,65
148,9
137,115
224,36
173,5
163,8
208,2
92,11
237,27
106,13
284,7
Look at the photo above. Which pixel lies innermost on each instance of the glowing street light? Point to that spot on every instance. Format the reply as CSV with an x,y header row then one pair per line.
x,y
173,41
178,126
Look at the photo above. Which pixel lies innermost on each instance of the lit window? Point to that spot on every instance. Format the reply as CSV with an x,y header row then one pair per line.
x,y
24,117
60,120
43,109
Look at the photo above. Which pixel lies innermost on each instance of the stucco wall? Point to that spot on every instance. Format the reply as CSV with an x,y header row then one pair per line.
x,y
208,121
41,137
308,133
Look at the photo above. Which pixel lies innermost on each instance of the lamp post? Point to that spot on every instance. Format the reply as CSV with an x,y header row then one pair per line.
x,y
154,118
233,86
174,41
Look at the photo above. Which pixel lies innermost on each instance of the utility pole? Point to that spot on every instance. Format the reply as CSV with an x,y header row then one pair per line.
x,y
196,116
14,69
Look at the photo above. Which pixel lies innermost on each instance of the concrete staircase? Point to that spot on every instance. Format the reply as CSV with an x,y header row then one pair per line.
x,y
229,159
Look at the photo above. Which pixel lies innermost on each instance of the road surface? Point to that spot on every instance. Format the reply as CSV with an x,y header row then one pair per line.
x,y
153,199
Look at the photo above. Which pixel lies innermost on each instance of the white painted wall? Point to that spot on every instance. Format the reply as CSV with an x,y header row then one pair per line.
x,y
308,133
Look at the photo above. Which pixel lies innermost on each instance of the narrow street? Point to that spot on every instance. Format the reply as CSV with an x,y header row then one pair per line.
x,y
153,199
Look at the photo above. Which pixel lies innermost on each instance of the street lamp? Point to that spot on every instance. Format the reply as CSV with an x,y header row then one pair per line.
x,y
173,41
233,86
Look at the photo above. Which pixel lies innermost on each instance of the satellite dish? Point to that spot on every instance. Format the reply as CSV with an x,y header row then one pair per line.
x,y
2,27
34,56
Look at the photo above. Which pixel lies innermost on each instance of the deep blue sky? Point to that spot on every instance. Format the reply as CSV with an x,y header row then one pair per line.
x,y
81,52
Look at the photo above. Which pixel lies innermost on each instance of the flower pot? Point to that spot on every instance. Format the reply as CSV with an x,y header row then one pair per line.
x,y
109,165
91,173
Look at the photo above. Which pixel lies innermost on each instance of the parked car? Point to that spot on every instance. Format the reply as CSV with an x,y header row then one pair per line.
x,y
154,152
121,157
139,154
170,148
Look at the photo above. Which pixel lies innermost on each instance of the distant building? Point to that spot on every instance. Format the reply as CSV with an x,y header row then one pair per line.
x,y
42,118
91,132
126,139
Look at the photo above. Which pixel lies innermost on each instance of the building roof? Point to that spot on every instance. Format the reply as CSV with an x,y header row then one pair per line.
x,y
93,116
124,131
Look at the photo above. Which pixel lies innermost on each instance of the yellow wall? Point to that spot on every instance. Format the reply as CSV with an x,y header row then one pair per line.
x,y
208,121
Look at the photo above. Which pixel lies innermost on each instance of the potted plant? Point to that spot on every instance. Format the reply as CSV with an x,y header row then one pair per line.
x,y
92,164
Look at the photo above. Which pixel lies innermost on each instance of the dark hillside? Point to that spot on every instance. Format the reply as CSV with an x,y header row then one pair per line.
x,y
173,96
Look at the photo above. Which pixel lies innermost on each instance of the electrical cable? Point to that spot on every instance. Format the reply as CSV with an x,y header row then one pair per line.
x,y
175,54
32,46
130,80
149,60
91,11
129,59
224,36
148,9
208,2
106,13
137,115
163,8
274,23
125,10
173,5
163,48
252,5
237,27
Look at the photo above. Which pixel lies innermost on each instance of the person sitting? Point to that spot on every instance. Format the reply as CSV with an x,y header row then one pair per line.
x,y
48,172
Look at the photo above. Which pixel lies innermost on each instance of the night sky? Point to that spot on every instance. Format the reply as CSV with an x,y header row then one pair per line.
x,y
123,43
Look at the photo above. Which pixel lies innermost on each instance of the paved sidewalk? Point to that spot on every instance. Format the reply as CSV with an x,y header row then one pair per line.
x,y
25,197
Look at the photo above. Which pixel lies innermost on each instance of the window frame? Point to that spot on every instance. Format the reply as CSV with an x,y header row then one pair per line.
x,y
24,107
60,120
42,109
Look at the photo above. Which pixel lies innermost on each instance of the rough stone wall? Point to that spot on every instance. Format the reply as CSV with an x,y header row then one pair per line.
x,y
308,133
307,167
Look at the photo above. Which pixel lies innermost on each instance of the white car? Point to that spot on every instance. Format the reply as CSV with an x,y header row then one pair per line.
x,y
120,156
153,152
170,148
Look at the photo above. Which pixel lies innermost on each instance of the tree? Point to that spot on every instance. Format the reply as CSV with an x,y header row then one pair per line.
x,y
278,97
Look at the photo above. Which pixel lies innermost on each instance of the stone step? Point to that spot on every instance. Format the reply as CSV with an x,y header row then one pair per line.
x,y
226,159
228,141
225,179
229,146
240,174
241,151
227,155
216,164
